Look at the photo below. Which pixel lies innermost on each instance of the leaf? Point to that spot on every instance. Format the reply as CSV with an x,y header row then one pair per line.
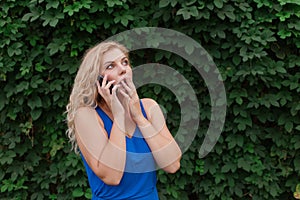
x,y
53,22
36,113
7,157
189,49
284,33
221,34
242,163
157,89
298,188
236,60
289,126
15,49
163,3
52,4
22,87
112,3
34,102
88,194
27,16
239,100
238,191
163,179
218,3
53,47
281,70
187,12
227,167
230,15
39,67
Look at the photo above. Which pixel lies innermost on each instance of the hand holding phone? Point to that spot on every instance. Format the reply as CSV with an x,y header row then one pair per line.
x,y
100,79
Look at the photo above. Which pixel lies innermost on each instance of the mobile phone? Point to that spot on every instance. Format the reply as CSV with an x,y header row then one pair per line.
x,y
100,79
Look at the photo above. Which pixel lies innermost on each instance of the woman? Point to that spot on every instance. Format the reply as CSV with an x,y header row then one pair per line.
x,y
121,138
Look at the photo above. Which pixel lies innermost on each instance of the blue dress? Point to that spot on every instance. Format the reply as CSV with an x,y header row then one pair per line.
x,y
139,178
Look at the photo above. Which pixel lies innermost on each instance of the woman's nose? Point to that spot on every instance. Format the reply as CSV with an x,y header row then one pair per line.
x,y
122,68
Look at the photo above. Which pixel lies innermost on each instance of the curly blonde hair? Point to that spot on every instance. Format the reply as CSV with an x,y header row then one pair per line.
x,y
84,92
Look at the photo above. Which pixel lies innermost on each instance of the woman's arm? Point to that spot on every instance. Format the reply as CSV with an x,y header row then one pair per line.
x,y
165,150
106,157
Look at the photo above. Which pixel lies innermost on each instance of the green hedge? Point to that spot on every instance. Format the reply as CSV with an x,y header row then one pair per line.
x,y
255,44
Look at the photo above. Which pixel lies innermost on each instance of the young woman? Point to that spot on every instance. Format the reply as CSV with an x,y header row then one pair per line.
x,y
122,139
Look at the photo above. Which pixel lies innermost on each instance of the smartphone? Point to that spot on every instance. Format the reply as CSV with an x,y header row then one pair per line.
x,y
100,79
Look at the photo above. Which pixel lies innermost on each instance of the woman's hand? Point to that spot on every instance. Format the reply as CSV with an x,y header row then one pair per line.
x,y
112,100
129,92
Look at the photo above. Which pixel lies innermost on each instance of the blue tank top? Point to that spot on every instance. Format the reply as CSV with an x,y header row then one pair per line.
x,y
139,178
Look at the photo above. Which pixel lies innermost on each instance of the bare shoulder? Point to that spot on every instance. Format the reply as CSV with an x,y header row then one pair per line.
x,y
148,103
84,112
85,109
87,114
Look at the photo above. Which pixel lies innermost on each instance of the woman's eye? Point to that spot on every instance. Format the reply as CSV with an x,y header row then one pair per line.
x,y
109,67
125,62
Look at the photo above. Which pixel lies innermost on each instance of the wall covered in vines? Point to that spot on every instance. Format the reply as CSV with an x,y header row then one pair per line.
x,y
255,45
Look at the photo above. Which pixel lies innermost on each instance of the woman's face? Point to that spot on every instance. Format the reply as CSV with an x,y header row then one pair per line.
x,y
115,64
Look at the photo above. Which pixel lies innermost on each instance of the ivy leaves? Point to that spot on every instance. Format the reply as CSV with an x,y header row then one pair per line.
x,y
254,44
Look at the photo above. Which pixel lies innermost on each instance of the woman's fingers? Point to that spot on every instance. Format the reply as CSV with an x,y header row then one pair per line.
x,y
129,82
115,89
127,88
124,94
129,93
105,86
104,80
109,86
113,97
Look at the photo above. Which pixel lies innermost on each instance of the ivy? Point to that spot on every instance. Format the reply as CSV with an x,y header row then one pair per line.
x,y
255,45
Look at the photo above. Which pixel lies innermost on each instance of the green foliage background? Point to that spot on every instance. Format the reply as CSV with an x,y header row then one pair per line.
x,y
254,43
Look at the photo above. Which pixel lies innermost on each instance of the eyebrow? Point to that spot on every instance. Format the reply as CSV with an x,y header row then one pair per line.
x,y
109,62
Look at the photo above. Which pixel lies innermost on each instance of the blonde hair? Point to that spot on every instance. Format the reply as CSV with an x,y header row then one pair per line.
x,y
84,92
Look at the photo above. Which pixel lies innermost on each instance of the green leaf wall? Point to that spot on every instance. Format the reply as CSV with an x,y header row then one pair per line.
x,y
255,44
